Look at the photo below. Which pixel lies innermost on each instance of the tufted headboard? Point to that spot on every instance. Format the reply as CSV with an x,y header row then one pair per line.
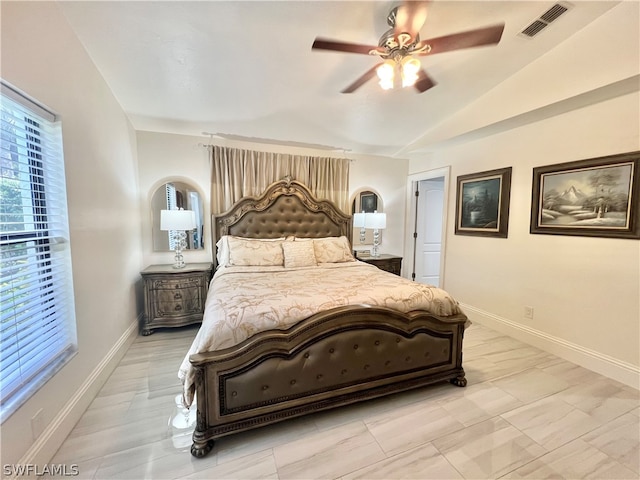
x,y
285,208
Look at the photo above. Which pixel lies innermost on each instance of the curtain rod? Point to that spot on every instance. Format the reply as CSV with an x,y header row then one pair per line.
x,y
266,141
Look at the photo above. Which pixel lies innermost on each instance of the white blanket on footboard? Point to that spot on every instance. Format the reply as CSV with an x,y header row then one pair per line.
x,y
243,301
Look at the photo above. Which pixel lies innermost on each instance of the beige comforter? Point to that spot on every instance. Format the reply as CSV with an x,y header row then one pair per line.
x,y
245,300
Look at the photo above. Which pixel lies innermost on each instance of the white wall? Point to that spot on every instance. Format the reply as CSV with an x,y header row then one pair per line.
x,y
163,156
585,291
388,177
42,57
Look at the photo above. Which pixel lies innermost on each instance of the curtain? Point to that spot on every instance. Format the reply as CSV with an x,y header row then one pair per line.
x,y
237,173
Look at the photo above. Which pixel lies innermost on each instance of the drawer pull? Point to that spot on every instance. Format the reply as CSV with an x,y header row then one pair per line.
x,y
178,307
177,296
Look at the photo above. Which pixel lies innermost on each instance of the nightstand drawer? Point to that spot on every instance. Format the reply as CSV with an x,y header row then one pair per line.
x,y
182,301
177,284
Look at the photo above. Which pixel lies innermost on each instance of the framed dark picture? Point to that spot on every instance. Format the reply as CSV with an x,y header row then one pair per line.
x,y
596,197
368,202
482,203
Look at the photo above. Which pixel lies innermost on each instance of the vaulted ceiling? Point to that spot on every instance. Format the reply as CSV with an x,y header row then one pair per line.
x,y
246,70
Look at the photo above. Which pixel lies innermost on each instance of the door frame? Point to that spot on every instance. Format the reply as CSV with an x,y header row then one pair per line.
x,y
412,180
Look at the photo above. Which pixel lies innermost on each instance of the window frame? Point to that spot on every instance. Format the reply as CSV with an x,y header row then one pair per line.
x,y
38,325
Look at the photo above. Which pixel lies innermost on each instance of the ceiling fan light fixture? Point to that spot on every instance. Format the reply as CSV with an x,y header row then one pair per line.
x,y
410,67
385,74
398,46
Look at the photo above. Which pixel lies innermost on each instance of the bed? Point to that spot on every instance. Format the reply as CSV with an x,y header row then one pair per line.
x,y
284,340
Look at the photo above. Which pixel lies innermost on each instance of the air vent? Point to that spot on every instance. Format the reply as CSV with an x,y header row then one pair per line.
x,y
545,19
553,13
534,28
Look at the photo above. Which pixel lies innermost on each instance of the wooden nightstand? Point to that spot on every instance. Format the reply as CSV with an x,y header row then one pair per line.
x,y
389,263
174,297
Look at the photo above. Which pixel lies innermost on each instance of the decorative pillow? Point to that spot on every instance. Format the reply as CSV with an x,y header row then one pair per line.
x,y
332,250
299,254
255,252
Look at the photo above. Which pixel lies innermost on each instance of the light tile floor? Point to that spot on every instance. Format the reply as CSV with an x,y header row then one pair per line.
x,y
524,414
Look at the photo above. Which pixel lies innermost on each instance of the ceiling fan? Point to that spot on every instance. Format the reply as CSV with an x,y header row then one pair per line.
x,y
400,45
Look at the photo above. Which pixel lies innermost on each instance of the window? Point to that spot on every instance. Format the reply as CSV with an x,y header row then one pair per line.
x,y
37,330
172,204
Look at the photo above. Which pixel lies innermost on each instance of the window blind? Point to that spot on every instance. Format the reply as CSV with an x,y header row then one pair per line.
x,y
37,329
172,204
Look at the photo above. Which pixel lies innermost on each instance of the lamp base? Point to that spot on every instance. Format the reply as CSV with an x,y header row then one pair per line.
x,y
180,237
179,259
376,242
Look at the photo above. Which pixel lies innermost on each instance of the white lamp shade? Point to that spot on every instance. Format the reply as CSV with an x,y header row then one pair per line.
x,y
375,220
177,220
358,220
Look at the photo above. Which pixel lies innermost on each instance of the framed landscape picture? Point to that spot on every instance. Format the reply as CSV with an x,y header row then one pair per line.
x,y
482,203
594,197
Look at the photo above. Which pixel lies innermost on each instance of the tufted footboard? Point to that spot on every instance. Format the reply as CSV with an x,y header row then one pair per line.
x,y
333,358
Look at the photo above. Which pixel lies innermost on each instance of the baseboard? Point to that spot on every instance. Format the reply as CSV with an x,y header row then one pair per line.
x,y
48,443
600,363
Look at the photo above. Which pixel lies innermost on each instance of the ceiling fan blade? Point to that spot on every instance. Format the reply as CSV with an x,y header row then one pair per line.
x,y
362,80
324,44
410,18
424,82
472,38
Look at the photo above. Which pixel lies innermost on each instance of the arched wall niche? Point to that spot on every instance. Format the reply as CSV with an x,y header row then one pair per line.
x,y
179,192
368,200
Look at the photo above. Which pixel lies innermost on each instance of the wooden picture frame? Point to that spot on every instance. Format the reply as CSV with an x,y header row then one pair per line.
x,y
596,197
482,203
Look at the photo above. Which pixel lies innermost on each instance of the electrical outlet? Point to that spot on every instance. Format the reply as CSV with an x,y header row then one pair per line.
x,y
37,424
528,312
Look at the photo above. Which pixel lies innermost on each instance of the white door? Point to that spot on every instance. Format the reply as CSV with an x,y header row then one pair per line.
x,y
429,222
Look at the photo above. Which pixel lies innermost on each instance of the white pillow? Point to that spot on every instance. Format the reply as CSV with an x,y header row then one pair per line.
x,y
255,252
222,247
299,254
222,251
332,250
